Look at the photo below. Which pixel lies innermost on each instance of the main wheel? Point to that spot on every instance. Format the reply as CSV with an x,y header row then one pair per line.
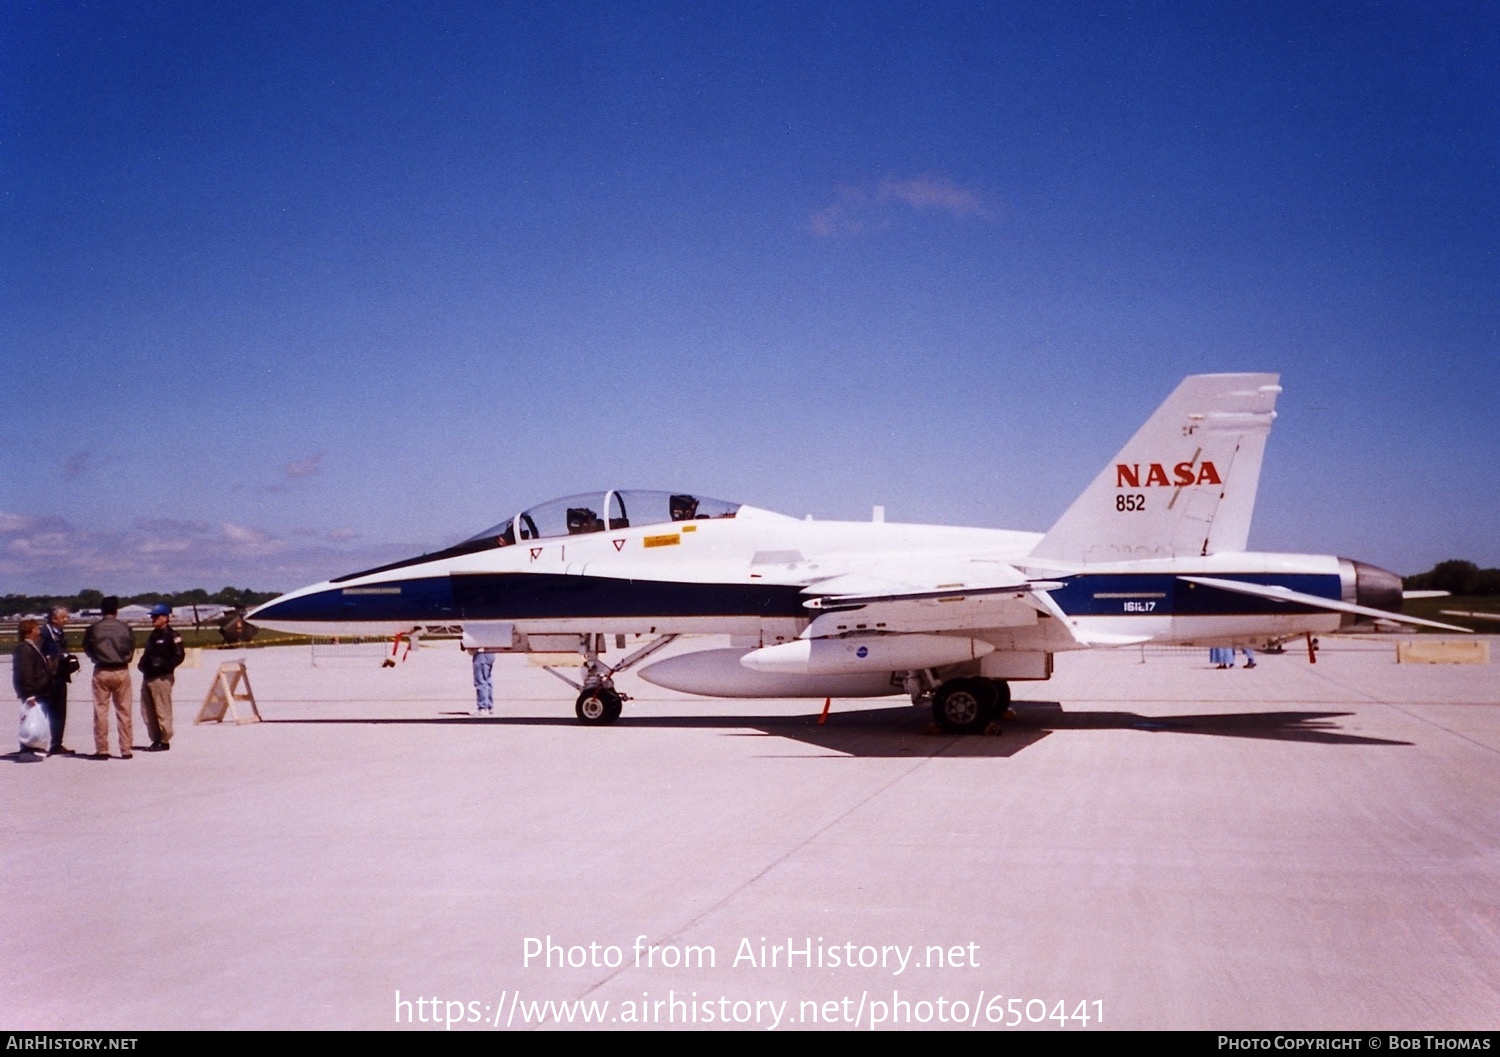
x,y
964,706
598,706
1002,699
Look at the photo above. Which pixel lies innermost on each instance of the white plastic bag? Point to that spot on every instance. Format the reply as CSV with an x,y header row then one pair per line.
x,y
36,731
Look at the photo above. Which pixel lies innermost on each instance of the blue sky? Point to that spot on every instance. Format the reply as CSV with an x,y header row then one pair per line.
x,y
290,289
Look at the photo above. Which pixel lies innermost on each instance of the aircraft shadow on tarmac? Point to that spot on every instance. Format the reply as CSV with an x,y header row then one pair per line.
x,y
902,731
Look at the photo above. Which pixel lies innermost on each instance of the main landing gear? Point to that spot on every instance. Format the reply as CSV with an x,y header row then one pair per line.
x,y
969,705
598,701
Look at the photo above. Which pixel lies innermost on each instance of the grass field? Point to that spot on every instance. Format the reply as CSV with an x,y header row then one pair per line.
x,y
1432,609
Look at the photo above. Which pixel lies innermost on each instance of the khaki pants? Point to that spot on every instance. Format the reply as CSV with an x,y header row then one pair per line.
x,y
156,708
112,685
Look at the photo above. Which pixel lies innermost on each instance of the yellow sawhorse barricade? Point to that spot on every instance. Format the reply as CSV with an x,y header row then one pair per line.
x,y
231,684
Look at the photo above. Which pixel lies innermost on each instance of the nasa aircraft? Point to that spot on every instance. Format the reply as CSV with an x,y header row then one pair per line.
x,y
1153,551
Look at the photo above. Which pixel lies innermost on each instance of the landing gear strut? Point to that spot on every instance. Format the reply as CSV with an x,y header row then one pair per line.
x,y
598,701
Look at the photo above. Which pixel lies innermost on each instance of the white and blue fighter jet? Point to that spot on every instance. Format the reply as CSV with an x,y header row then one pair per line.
x,y
1153,551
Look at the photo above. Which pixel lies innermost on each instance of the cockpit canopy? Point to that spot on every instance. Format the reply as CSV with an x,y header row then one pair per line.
x,y
577,515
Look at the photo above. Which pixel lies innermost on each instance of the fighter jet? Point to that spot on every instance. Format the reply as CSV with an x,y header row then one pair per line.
x,y
1153,551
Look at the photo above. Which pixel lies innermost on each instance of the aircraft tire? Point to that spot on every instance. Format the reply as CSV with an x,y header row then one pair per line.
x,y
597,707
1002,709
964,706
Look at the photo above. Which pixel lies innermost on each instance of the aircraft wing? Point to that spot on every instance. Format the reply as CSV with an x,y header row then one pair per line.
x,y
938,594
914,607
1047,604
1286,594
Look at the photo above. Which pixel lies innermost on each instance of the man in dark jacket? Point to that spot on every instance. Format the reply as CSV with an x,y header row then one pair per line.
x,y
64,664
110,645
160,658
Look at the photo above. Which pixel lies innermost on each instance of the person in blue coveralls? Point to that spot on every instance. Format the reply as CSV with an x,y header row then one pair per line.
x,y
484,691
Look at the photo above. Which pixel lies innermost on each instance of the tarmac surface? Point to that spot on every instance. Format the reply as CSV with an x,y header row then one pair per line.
x,y
1153,843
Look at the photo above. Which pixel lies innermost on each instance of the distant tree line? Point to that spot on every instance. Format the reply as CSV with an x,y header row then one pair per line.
x,y
89,598
1456,577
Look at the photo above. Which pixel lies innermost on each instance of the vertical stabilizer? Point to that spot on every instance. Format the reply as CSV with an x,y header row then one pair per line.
x,y
1185,483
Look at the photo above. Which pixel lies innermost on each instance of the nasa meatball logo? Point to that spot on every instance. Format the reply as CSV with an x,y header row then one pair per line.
x,y
862,652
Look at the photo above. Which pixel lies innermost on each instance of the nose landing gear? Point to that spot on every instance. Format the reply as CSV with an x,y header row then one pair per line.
x,y
599,706
599,703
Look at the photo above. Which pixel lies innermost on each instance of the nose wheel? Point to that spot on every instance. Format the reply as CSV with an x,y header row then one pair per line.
x,y
598,706
598,701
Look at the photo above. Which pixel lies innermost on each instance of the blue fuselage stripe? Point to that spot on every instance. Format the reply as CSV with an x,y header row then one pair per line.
x,y
539,596
552,596
1157,594
535,596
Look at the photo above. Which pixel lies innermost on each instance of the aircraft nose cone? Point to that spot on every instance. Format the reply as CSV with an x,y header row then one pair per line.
x,y
1377,588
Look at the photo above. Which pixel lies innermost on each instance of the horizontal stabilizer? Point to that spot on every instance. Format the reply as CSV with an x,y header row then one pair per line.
x,y
1286,594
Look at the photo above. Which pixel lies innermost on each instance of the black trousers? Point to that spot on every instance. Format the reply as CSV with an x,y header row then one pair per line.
x,y
57,711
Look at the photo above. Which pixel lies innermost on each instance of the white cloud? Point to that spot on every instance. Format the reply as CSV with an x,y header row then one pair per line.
x,y
931,191
307,466
42,554
239,534
857,208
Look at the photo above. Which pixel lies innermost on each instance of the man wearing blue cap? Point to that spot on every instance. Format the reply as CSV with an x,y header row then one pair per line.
x,y
160,658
